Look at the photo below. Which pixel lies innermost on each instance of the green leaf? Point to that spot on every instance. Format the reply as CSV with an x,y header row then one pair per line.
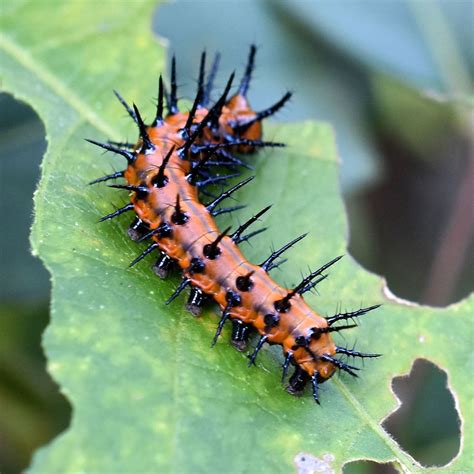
x,y
148,393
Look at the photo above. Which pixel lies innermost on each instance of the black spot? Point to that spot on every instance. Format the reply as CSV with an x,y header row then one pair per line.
x,y
271,320
244,283
164,230
301,341
197,266
283,305
233,298
179,218
211,251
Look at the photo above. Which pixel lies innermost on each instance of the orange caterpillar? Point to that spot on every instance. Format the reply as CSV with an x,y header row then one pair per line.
x,y
167,168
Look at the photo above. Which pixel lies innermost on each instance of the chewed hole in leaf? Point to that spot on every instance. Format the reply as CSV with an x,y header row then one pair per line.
x,y
33,411
308,464
368,467
426,424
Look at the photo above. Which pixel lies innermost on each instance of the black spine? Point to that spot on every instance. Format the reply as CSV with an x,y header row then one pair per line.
x,y
126,106
212,115
159,105
184,283
210,79
128,207
173,98
118,174
245,83
274,255
149,249
210,207
212,250
147,144
260,343
263,114
350,314
238,233
160,179
119,151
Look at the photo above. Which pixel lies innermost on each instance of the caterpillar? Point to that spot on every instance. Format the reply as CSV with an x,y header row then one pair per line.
x,y
168,170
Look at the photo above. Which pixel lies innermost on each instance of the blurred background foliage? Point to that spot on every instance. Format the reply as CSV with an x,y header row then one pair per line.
x,y
394,79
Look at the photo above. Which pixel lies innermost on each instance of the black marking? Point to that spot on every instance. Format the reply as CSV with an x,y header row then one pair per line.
x,y
184,283
351,314
160,179
118,174
210,207
212,250
261,342
238,233
244,282
266,264
245,82
149,249
147,144
128,207
130,157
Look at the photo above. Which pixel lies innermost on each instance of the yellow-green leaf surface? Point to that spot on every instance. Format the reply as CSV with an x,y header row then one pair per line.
x,y
148,392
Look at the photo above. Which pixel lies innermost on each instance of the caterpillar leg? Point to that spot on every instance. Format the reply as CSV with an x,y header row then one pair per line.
x,y
297,382
163,266
195,301
137,229
240,334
